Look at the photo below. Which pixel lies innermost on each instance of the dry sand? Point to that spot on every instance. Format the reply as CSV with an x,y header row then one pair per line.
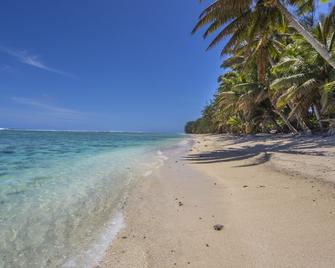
x,y
274,195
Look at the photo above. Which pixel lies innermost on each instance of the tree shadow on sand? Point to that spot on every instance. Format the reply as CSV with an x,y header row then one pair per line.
x,y
262,148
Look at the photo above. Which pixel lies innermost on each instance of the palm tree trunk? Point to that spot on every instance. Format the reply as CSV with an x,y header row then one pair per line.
x,y
317,115
293,22
303,125
262,61
287,122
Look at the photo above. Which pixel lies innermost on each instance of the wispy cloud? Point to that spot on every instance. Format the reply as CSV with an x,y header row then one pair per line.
x,y
32,60
5,68
45,106
43,113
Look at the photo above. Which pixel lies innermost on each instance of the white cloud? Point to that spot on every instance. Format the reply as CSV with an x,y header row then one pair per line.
x,y
5,68
32,60
45,107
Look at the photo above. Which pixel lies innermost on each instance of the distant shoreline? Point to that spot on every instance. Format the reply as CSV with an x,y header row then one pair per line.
x,y
88,131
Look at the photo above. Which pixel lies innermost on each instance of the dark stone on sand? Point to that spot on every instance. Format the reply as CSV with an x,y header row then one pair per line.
x,y
214,183
180,204
207,245
218,227
245,186
124,237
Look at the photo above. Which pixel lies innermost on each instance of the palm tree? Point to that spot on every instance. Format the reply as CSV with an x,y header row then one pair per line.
x,y
242,20
303,77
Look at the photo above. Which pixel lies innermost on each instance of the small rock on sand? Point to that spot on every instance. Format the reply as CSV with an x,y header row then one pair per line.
x,y
218,227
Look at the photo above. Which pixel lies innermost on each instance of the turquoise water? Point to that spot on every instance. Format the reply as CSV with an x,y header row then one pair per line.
x,y
60,192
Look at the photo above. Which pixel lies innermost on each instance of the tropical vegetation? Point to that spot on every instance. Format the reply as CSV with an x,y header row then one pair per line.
x,y
279,67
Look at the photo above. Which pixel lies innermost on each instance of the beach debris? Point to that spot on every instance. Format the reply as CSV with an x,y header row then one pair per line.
x,y
260,186
214,183
144,237
207,245
200,218
245,186
124,237
180,203
218,227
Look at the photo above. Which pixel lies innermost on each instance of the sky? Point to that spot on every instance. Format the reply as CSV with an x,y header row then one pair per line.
x,y
103,65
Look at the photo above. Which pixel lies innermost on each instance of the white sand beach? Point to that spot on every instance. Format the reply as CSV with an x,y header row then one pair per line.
x,y
274,196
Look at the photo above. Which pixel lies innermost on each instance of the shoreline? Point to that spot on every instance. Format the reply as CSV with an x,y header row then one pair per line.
x,y
93,254
282,214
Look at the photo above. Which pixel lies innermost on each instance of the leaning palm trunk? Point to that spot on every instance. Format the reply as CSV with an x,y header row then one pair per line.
x,y
287,122
317,115
293,22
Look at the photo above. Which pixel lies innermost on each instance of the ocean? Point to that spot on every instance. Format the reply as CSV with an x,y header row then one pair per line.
x,y
61,193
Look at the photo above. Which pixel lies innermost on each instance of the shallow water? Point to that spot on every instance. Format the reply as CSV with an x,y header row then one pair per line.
x,y
60,192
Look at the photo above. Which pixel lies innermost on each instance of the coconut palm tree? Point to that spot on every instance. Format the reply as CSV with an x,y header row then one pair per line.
x,y
243,19
304,80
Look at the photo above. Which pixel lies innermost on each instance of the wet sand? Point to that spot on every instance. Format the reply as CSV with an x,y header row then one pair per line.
x,y
274,196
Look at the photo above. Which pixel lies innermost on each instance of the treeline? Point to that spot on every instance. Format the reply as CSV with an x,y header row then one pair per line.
x,y
279,68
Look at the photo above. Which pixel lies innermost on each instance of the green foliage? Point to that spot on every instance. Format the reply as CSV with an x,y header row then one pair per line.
x,y
274,78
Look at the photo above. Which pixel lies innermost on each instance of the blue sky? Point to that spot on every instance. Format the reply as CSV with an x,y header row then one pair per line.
x,y
103,65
